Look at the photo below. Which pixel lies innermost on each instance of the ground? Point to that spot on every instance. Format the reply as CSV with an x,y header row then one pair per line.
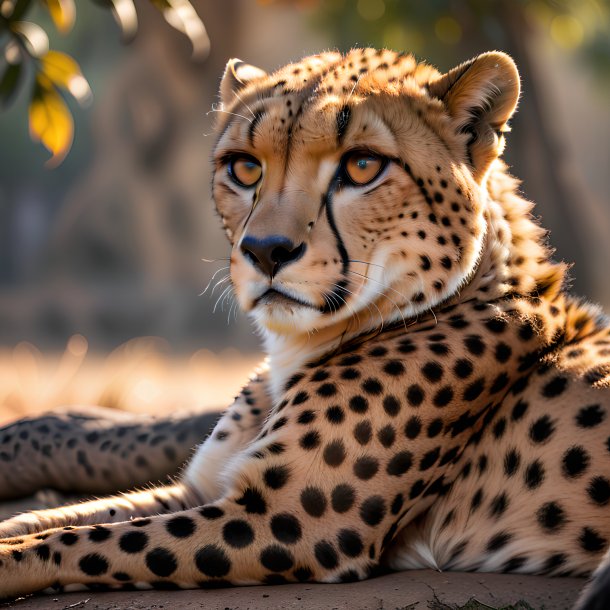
x,y
417,590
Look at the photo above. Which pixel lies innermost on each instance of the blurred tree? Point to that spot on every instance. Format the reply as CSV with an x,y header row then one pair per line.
x,y
24,45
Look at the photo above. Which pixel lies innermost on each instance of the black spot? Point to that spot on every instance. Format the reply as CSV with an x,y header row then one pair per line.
x,y
366,467
93,564
394,368
499,383
519,410
276,476
397,504
463,368
534,475
413,427
526,331
363,432
591,416
551,516
498,541
334,453
358,404
343,497
591,541
378,351
276,558
372,510
554,561
350,543
406,346
415,395
180,526
476,500
391,405
326,555
320,375
237,533
599,490
349,576
68,538
335,414
400,463
474,390
498,505
313,501
503,353
300,398
133,542
555,387
511,462
499,428
350,360
293,381
425,262
43,552
306,417
496,325
475,345
387,436
303,574
372,386
212,561
439,348
574,462
443,397
252,500
514,563
286,528
99,533
327,389
542,429
416,489
429,458
350,374
121,576
432,371
310,440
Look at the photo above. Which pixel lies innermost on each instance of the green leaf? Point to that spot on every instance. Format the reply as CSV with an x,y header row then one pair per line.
x,y
9,84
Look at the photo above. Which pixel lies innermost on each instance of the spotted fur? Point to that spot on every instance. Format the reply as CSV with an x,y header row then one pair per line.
x,y
433,397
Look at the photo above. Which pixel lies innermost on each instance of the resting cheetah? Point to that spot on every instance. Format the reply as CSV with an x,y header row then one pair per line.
x,y
432,396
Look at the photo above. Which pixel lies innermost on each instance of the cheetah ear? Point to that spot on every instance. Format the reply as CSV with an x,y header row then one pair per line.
x,y
481,96
236,76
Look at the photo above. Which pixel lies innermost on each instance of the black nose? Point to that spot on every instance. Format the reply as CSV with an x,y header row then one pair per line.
x,y
270,254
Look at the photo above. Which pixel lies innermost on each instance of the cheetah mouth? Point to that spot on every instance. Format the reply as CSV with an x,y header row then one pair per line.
x,y
275,297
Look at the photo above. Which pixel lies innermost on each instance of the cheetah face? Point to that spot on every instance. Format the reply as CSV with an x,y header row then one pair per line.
x,y
352,187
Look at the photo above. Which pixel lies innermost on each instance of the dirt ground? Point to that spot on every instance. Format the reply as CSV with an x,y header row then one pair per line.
x,y
415,590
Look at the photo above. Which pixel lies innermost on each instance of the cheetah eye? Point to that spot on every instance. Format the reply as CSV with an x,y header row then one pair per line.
x,y
363,167
245,170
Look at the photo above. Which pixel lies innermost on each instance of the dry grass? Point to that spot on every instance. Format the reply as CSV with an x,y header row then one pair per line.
x,y
140,376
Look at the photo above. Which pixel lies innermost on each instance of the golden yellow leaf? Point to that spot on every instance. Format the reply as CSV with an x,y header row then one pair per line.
x,y
50,121
63,13
64,72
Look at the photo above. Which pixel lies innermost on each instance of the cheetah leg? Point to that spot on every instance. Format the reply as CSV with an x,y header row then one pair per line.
x,y
95,450
237,427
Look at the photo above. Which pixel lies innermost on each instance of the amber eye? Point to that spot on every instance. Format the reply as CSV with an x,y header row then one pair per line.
x,y
363,167
245,171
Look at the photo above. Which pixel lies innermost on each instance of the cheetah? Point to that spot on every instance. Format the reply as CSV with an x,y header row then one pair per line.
x,y
432,395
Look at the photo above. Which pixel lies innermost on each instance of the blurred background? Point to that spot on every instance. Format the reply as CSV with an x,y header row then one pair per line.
x,y
101,265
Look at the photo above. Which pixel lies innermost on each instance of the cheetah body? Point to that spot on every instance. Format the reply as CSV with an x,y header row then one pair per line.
x,y
432,396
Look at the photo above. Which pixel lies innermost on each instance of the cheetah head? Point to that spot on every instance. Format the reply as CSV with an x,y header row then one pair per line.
x,y
352,187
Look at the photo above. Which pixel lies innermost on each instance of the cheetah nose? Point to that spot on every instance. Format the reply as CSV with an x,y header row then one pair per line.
x,y
270,254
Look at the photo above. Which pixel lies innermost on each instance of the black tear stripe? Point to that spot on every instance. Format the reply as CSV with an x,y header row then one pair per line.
x,y
335,299
343,117
253,124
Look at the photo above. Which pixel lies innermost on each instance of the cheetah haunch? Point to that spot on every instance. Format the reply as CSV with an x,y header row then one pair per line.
x,y
432,396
